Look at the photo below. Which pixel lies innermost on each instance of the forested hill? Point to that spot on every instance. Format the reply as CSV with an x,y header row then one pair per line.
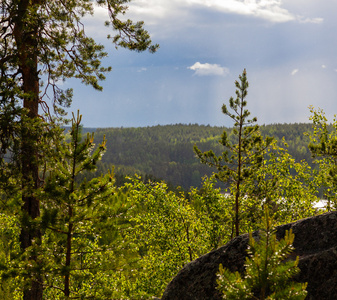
x,y
166,152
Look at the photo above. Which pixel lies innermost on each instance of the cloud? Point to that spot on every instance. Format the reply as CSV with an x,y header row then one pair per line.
x,y
156,8
294,72
208,69
143,69
302,19
271,10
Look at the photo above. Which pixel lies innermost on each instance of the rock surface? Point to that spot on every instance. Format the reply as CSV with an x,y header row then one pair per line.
x,y
315,243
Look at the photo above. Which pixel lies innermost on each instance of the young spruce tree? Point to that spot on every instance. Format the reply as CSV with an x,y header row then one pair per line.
x,y
244,149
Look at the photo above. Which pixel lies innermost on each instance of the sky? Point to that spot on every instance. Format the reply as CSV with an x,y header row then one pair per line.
x,y
288,47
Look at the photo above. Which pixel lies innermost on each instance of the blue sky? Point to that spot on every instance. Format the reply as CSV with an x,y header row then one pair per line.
x,y
288,47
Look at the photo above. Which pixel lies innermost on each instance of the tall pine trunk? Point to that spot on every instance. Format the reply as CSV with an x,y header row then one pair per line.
x,y
239,171
26,40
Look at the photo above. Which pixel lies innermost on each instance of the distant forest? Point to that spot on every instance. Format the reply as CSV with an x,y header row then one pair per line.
x,y
166,152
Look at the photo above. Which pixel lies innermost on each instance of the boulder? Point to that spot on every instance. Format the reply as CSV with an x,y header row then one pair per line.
x,y
315,243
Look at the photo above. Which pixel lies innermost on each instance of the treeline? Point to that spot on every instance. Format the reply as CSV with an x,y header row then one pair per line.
x,y
166,152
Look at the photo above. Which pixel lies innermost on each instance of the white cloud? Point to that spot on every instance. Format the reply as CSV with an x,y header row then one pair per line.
x,y
294,72
208,69
323,66
271,10
302,19
266,9
156,8
143,69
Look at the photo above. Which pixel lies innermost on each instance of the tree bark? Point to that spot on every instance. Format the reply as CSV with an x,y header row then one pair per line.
x,y
26,35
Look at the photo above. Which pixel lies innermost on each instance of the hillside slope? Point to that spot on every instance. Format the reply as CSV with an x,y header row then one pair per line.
x,y
166,152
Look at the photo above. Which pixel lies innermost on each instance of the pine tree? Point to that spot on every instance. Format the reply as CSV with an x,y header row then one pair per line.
x,y
47,39
268,269
72,217
244,148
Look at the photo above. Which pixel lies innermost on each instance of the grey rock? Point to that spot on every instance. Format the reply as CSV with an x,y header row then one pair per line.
x,y
315,243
